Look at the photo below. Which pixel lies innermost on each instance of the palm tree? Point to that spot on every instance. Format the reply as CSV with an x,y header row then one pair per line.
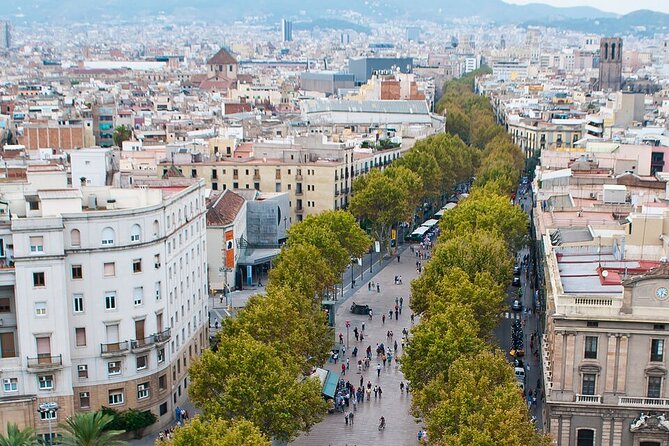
x,y
88,429
18,437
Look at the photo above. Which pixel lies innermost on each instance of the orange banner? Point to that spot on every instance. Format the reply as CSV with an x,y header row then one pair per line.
x,y
229,250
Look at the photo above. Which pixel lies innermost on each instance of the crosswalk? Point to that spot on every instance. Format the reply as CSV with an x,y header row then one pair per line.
x,y
510,315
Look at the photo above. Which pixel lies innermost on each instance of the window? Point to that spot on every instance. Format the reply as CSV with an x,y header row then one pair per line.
x,y
36,244
114,368
158,291
5,305
115,397
161,355
40,308
110,269
142,362
12,384
156,261
110,300
592,324
138,293
137,266
84,399
107,236
82,371
80,335
38,279
657,350
75,237
585,437
135,234
162,382
77,272
654,386
591,347
48,415
163,409
45,382
78,303
589,384
143,391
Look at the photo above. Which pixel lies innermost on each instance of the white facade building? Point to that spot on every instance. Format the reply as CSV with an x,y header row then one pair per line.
x,y
103,298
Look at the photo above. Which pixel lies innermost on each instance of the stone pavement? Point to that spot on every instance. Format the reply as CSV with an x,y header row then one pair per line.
x,y
401,428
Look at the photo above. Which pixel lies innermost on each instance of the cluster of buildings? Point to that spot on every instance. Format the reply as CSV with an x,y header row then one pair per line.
x,y
138,181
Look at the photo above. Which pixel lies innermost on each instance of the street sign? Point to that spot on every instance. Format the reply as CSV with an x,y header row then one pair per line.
x,y
377,246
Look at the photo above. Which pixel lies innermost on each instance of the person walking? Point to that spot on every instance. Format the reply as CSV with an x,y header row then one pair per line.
x,y
369,286
363,327
370,314
362,380
380,392
343,368
346,418
378,288
401,386
376,391
390,314
383,318
378,370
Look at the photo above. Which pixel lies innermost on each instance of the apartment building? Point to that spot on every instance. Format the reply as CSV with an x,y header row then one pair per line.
x,y
316,179
103,298
532,134
605,280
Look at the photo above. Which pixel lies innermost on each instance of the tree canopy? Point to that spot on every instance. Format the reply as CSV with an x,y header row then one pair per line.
x,y
217,432
247,378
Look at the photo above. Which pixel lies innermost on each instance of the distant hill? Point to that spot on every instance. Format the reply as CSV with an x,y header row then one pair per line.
x,y
225,11
642,22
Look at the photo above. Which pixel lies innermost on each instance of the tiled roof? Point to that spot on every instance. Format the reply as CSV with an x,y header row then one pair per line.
x,y
223,209
223,57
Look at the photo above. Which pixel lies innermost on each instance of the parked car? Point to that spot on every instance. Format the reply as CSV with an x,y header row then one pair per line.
x,y
516,305
516,271
360,309
516,281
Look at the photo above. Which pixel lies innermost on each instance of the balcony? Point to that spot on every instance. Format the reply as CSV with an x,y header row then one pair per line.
x,y
163,336
298,192
336,193
640,402
45,362
588,399
115,348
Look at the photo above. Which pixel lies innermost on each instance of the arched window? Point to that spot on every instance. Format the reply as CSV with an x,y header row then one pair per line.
x,y
585,437
613,51
107,236
156,228
606,51
75,237
135,234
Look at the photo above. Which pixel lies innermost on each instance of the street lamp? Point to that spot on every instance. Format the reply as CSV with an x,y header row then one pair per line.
x,y
49,409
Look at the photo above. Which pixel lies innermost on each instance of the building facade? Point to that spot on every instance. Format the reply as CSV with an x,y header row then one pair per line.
x,y
103,300
610,64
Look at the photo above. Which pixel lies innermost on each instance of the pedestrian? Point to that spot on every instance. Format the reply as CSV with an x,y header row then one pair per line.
x,y
335,356
355,407
378,370
396,314
357,336
378,288
346,418
401,386
370,314
420,435
384,358
341,338
380,391
390,314
362,337
412,316
369,286
396,300
401,302
363,327
343,368
398,258
400,280
347,364
395,346
350,414
362,380
383,319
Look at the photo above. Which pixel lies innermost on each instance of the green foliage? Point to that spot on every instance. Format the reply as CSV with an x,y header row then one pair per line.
x,y
129,420
247,378
487,211
89,429
217,432
423,163
438,341
336,234
292,323
302,268
479,404
121,133
434,293
18,437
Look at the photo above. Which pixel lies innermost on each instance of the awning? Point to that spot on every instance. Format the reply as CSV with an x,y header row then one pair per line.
x,y
429,223
257,256
330,386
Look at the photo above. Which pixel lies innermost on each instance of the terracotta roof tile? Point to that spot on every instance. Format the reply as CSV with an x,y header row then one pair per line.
x,y
223,57
223,208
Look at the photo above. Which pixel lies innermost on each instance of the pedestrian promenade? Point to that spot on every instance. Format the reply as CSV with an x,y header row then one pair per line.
x,y
401,428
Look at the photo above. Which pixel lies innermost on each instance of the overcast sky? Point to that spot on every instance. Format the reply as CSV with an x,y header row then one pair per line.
x,y
617,6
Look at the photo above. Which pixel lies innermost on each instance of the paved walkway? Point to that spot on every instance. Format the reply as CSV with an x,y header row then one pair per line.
x,y
394,406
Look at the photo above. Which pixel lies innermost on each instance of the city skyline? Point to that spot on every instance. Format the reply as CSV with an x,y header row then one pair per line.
x,y
615,6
